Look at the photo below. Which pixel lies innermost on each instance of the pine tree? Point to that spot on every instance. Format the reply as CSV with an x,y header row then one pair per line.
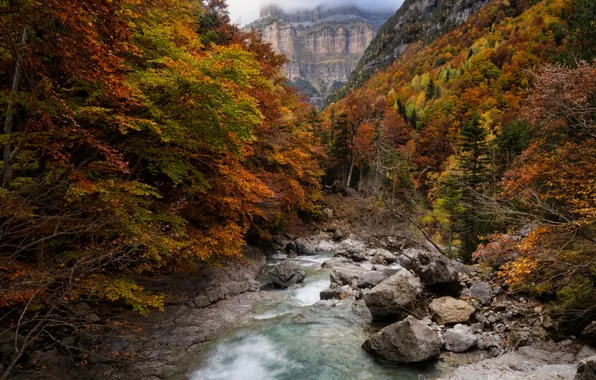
x,y
475,161
474,151
401,110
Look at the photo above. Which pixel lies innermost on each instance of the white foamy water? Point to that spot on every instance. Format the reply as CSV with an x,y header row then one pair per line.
x,y
312,261
310,293
268,315
253,357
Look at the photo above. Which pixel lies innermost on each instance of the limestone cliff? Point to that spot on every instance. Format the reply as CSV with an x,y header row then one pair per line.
x,y
323,45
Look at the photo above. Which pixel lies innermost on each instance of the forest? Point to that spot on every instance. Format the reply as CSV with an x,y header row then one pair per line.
x,y
145,137
138,137
486,137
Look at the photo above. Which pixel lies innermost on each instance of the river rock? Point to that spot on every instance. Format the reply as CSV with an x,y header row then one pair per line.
x,y
482,291
352,249
381,256
448,310
514,366
586,370
304,248
338,235
432,268
408,341
395,296
340,263
459,339
589,333
286,274
290,247
372,279
345,276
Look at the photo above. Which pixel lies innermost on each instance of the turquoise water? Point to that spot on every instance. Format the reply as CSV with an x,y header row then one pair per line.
x,y
287,337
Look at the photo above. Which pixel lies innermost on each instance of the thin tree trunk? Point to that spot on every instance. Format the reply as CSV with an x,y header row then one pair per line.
x,y
349,180
360,178
10,155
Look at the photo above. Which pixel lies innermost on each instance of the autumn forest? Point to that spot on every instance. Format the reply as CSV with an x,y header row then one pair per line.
x,y
153,137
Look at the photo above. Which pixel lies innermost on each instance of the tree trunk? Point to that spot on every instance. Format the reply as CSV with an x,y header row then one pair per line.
x,y
349,180
9,155
360,178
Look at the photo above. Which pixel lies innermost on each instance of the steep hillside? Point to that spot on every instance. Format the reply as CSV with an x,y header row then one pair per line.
x,y
463,91
487,130
323,44
416,20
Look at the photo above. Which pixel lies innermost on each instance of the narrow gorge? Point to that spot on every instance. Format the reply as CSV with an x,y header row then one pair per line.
x,y
343,190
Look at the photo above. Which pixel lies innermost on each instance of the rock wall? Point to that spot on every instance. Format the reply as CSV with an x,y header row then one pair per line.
x,y
323,45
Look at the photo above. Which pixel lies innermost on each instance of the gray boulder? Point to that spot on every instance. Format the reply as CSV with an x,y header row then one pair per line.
x,y
304,248
346,276
408,341
482,291
381,256
338,235
432,268
586,370
371,279
286,274
514,366
448,310
459,339
340,263
352,249
395,296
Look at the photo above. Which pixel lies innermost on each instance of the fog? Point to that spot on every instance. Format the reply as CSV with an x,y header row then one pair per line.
x,y
245,11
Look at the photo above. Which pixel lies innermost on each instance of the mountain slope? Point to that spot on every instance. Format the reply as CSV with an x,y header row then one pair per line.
x,y
416,20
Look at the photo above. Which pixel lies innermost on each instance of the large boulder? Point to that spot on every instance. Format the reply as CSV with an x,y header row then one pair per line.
x,y
459,339
304,248
371,279
432,268
395,296
286,274
345,276
448,310
586,370
408,341
352,249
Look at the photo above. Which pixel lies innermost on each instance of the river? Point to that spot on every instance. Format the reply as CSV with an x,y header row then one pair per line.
x,y
289,336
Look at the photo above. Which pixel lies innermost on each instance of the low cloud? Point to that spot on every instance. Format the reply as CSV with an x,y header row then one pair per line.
x,y
245,11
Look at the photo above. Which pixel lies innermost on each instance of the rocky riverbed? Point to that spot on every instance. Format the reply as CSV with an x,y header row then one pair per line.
x,y
332,306
429,306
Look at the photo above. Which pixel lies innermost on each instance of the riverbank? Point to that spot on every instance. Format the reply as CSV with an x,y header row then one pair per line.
x,y
231,323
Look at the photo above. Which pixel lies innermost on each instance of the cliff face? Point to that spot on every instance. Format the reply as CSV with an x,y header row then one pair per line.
x,y
324,45
416,20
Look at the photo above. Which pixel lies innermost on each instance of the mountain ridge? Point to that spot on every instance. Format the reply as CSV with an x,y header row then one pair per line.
x,y
415,20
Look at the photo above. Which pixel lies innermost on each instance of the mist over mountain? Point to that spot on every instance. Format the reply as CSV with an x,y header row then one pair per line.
x,y
244,13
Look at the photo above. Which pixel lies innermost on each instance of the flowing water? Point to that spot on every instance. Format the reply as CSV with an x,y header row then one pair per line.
x,y
287,336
